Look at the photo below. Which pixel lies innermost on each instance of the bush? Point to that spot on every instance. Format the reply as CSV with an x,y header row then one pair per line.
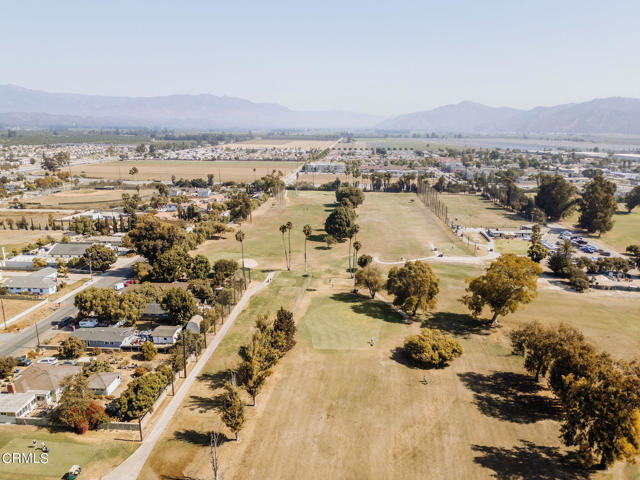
x,y
7,364
578,279
72,347
432,348
139,371
149,351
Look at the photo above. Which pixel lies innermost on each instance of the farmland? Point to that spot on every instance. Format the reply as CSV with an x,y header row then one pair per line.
x,y
162,170
86,198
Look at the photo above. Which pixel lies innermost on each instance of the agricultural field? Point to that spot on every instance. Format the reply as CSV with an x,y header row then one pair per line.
x,y
10,239
86,198
161,170
94,451
475,211
282,143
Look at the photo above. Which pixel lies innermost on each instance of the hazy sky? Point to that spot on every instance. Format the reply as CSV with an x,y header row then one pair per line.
x,y
382,57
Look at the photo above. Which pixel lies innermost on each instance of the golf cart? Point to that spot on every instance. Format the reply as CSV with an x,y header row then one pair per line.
x,y
73,473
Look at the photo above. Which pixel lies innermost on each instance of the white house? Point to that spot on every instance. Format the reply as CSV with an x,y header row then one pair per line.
x,y
103,383
15,405
165,334
42,282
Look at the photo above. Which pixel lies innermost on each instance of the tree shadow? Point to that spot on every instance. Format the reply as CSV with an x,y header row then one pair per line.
x,y
195,437
461,324
203,404
398,355
529,461
316,238
216,380
510,396
369,307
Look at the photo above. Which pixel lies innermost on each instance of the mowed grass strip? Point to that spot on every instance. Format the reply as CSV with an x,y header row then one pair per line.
x,y
475,211
95,452
238,171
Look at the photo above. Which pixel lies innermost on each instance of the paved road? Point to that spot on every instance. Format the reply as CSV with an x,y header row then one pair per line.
x,y
132,466
11,344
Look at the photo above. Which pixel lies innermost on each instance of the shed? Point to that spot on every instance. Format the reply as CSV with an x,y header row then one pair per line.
x,y
193,325
103,383
165,334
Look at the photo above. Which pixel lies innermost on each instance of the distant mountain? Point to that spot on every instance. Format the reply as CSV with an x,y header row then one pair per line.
x,y
462,117
36,108
613,115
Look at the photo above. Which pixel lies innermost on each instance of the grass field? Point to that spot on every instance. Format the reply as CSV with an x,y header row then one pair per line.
x,y
164,169
625,232
336,407
10,239
282,143
474,211
87,198
515,245
386,222
94,451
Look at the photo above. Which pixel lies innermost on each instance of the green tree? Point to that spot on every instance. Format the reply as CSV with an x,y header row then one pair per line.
x,y
556,196
232,409
172,265
283,230
353,194
71,347
38,262
149,351
201,289
371,278
431,348
256,366
510,281
180,304
330,240
240,238
364,260
132,305
597,206
285,325
76,407
140,395
7,365
414,286
632,199
150,237
101,303
289,226
200,267
338,224
224,269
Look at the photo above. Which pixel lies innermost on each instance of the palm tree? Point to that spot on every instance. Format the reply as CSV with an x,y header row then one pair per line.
x,y
289,226
353,234
283,229
356,247
240,238
307,231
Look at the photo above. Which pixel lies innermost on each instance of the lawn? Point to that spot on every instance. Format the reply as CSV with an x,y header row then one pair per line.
x,y
164,169
475,211
13,307
94,451
10,239
513,245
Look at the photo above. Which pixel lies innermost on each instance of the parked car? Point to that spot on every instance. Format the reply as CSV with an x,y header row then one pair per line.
x,y
69,362
48,360
24,361
88,323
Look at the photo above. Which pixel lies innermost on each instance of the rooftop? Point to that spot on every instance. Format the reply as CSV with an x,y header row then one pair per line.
x,y
13,402
165,330
106,334
74,249
101,380
44,377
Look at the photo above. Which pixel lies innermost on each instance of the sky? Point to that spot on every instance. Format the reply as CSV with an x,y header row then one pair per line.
x,y
384,58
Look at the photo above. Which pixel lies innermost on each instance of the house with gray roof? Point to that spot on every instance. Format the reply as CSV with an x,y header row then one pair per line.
x,y
107,337
41,378
67,251
165,334
16,405
42,282
103,383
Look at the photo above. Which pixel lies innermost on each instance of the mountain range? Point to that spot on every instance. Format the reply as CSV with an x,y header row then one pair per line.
x,y
21,107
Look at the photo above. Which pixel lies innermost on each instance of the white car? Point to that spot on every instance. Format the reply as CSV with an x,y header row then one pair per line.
x,y
48,360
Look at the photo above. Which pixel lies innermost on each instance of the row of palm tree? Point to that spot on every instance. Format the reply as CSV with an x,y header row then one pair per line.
x,y
286,228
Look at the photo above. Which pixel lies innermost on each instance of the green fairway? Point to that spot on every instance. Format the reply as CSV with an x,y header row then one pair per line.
x,y
65,451
515,245
344,321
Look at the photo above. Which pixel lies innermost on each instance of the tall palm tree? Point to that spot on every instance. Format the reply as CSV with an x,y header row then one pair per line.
x,y
307,232
240,238
283,229
357,245
289,226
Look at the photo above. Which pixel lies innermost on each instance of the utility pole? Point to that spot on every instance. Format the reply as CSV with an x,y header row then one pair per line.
x,y
37,334
184,353
4,317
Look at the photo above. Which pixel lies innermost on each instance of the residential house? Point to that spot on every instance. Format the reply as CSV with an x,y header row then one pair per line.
x,y
103,383
106,337
16,405
153,311
42,282
67,251
41,378
165,334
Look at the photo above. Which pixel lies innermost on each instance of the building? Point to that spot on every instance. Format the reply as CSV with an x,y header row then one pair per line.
x,y
153,311
107,337
103,383
165,334
16,405
67,251
193,325
41,378
42,282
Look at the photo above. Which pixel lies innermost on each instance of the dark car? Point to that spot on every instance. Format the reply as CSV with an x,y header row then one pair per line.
x,y
65,321
23,361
